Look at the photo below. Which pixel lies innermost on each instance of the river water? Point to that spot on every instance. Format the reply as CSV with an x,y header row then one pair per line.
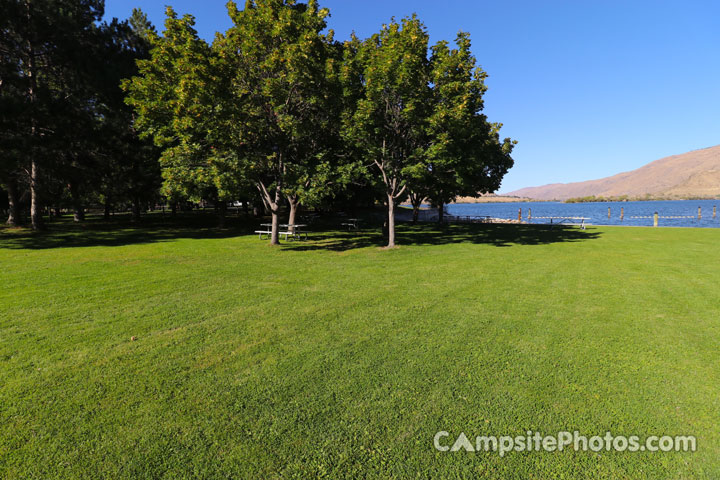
x,y
597,212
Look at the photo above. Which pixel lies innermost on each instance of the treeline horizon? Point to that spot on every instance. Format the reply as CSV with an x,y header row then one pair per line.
x,y
275,111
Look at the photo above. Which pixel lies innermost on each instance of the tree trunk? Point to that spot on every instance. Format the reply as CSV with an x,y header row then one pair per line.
x,y
246,207
79,214
36,216
173,207
106,212
294,207
274,232
416,201
275,210
135,216
391,221
222,210
14,218
274,206
441,213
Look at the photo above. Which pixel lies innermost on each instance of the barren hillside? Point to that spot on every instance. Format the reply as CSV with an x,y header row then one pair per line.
x,y
692,174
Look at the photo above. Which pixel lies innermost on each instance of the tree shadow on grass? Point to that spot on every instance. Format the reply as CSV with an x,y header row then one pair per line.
x,y
155,228
499,235
117,232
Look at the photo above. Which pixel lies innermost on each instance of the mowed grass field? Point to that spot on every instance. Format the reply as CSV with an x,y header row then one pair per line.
x,y
335,358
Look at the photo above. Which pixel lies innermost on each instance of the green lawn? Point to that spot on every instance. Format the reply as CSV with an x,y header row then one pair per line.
x,y
336,358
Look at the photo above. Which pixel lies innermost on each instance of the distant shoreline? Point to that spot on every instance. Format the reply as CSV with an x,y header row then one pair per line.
x,y
489,199
511,199
493,199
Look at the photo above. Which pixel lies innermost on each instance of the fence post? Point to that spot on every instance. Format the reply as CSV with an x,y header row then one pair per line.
x,y
655,219
529,213
519,214
622,213
699,213
608,212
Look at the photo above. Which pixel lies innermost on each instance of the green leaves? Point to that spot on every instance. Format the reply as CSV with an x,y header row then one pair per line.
x,y
259,107
173,90
463,155
418,118
174,96
389,120
275,102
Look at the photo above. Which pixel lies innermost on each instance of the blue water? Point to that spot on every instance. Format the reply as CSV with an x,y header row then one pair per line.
x,y
598,212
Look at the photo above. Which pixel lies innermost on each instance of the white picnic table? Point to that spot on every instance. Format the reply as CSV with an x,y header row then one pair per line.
x,y
566,220
292,230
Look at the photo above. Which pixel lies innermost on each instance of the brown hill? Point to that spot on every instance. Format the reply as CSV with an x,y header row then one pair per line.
x,y
690,175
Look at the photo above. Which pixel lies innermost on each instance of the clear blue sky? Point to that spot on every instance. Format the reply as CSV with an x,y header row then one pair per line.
x,y
589,88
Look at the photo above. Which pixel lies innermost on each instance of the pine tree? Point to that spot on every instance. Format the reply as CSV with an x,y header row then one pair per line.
x,y
44,45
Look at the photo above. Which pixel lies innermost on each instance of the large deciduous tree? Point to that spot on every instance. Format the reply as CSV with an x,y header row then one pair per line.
x,y
419,120
464,155
176,103
258,106
389,123
279,102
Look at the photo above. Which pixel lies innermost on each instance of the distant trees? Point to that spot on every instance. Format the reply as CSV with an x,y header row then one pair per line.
x,y
593,198
130,172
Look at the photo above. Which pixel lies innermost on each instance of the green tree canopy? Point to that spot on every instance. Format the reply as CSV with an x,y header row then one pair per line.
x,y
389,123
279,75
464,155
175,99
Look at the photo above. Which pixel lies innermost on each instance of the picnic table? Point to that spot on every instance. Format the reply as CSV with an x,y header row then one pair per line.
x,y
293,230
566,220
351,224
